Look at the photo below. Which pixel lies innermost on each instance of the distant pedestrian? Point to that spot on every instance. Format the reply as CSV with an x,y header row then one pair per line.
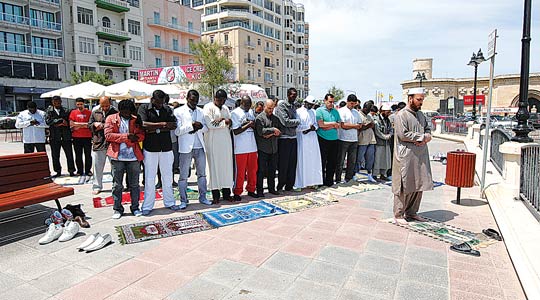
x,y
266,136
82,137
57,118
411,174
32,122
329,122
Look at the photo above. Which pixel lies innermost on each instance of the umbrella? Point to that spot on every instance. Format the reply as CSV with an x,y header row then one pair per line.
x,y
85,90
128,89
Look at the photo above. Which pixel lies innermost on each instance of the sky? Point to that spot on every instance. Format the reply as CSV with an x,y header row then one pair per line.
x,y
365,46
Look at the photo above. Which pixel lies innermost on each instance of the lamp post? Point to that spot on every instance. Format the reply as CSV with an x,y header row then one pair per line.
x,y
421,77
476,59
522,129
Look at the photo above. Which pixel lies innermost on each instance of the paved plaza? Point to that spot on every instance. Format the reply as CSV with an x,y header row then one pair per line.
x,y
340,251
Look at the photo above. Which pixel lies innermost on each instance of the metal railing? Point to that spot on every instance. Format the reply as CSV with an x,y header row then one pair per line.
x,y
113,31
117,3
481,140
16,19
529,188
25,49
171,25
455,127
173,48
115,59
498,137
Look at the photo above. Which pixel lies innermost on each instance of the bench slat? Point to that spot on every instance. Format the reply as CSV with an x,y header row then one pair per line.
x,y
11,179
28,169
22,159
59,193
31,189
33,194
23,185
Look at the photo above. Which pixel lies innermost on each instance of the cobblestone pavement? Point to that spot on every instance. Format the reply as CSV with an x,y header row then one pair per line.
x,y
335,252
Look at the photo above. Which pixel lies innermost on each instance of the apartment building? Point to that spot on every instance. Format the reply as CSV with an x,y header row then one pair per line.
x,y
306,58
169,29
31,51
104,36
253,36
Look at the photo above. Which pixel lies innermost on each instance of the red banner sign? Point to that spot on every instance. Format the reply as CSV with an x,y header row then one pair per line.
x,y
176,74
468,100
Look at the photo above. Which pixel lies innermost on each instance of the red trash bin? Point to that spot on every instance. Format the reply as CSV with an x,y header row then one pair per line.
x,y
460,168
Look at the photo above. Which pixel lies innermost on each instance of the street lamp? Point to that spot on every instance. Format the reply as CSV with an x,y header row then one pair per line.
x,y
522,128
476,59
421,77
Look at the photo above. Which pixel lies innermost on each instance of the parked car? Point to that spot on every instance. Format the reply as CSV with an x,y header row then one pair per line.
x,y
504,122
8,122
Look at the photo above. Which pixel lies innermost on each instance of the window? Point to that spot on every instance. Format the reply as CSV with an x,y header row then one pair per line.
x,y
175,44
226,38
259,73
85,16
174,21
191,61
190,26
258,58
277,76
134,75
44,46
86,45
191,43
135,53
43,19
277,47
158,62
175,61
107,50
13,42
157,41
258,42
109,73
157,18
211,39
106,22
277,63
134,27
86,69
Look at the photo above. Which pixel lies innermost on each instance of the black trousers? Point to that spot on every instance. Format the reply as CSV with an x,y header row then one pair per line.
x,y
267,168
288,157
226,194
329,158
349,150
39,147
81,145
55,153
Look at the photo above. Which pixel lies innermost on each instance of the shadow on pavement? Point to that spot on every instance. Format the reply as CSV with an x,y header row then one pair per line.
x,y
22,223
470,202
440,215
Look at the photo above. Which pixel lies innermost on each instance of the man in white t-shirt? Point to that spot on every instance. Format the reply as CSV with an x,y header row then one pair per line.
x,y
245,148
348,138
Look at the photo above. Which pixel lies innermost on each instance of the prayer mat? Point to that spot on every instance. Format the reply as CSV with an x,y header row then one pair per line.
x,y
140,232
70,180
299,203
126,198
241,213
447,233
436,184
350,188
106,179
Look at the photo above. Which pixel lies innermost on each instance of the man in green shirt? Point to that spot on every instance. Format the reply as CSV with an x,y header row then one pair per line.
x,y
329,122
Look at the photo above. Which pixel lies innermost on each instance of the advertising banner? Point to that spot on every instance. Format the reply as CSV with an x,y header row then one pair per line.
x,y
468,100
169,75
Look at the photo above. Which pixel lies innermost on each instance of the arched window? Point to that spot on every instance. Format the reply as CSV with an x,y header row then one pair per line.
x,y
107,50
109,73
106,22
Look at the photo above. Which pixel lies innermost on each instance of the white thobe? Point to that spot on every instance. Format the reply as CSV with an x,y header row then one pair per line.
x,y
218,144
308,168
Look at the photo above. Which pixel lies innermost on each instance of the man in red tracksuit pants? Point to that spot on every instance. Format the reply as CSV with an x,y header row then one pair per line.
x,y
245,148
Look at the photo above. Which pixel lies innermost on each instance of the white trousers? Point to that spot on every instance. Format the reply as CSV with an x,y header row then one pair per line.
x,y
151,162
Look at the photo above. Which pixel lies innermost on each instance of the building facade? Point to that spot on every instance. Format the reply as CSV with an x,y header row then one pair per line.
x,y
31,50
263,39
169,29
442,93
104,36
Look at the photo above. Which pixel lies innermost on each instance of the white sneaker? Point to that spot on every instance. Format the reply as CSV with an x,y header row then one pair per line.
x,y
371,179
88,241
54,232
70,230
99,243
116,215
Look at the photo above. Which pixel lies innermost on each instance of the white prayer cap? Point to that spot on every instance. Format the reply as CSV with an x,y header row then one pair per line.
x,y
386,106
415,91
310,99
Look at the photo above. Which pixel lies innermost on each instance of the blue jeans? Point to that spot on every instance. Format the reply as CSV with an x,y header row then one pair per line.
x,y
366,158
132,169
184,160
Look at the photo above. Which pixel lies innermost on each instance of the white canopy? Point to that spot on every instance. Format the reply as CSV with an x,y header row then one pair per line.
x,y
85,90
128,89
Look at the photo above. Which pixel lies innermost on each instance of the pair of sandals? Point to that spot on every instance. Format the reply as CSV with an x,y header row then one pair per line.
x,y
465,248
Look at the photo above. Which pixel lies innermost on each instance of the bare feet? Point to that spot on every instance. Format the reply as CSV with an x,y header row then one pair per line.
x,y
417,218
400,221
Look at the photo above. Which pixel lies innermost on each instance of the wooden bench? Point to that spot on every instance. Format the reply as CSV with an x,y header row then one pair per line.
x,y
25,179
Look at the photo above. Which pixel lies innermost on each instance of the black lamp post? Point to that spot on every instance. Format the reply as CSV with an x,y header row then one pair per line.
x,y
522,129
421,77
476,59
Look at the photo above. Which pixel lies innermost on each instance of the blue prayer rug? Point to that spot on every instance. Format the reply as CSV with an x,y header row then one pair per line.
x,y
240,214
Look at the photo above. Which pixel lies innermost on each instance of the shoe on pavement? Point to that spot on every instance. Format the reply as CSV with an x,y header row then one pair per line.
x,y
253,195
203,201
88,241
173,207
183,205
57,218
137,213
70,231
275,193
82,222
99,243
116,215
53,232
236,198
371,179
66,214
146,212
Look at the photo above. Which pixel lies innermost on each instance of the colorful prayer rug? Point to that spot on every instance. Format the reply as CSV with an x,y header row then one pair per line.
x,y
346,189
140,232
126,198
298,203
242,213
446,233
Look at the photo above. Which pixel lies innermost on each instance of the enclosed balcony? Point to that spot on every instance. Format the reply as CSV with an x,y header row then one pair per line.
x,y
46,25
172,26
46,3
14,21
113,5
114,61
112,34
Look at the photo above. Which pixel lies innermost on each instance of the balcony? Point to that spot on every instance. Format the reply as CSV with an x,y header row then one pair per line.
x,y
269,49
113,5
289,53
249,61
112,34
268,80
211,27
235,23
46,3
250,45
271,66
235,13
46,25
47,52
165,47
14,20
250,78
29,51
172,26
113,61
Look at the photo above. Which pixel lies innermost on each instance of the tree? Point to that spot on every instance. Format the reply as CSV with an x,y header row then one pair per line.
x,y
102,79
217,66
337,92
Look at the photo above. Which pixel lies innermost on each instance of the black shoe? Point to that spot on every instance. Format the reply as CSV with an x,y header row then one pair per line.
x,y
252,194
175,184
58,174
158,185
89,173
260,195
288,189
236,198
275,193
72,174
